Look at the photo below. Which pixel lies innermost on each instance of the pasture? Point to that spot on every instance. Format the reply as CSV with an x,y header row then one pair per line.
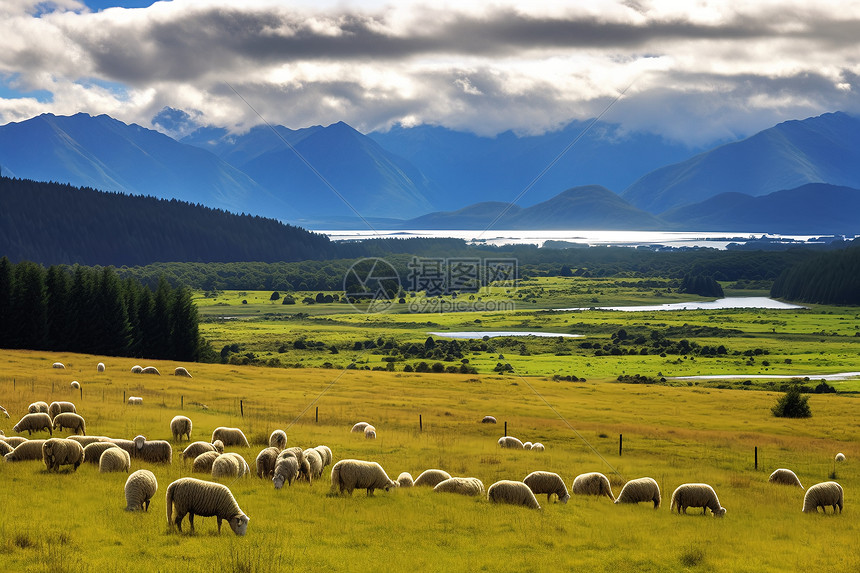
x,y
75,521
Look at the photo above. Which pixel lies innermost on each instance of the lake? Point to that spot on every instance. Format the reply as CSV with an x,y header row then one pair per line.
x,y
719,304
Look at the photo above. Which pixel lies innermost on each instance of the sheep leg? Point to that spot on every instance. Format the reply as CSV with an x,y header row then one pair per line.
x,y
191,521
145,505
219,524
178,520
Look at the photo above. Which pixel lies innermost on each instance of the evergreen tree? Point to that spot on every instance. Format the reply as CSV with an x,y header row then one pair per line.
x,y
185,343
792,404
58,286
112,325
29,312
159,343
6,325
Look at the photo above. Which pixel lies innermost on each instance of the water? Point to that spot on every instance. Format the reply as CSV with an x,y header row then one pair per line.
x,y
719,304
812,377
495,333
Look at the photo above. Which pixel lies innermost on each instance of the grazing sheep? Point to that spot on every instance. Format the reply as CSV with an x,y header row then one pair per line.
x,y
527,445
72,421
348,475
58,365
431,477
244,468
136,369
5,413
180,426
75,385
538,447
153,451
92,452
28,451
265,462
315,462
226,466
278,439
325,454
840,457
230,437
593,483
642,489
286,470
488,420
461,485
195,449
139,489
405,480
33,423
61,407
151,370
513,493
359,427
127,445
303,464
197,497
35,408
696,495
5,448
549,483
821,495
510,442
114,460
58,452
181,371
370,433
219,446
87,440
202,464
14,441
784,477
100,367
135,401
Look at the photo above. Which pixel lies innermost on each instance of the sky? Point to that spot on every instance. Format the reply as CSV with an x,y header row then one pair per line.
x,y
691,70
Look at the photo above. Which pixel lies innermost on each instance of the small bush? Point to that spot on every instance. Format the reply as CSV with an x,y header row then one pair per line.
x,y
792,404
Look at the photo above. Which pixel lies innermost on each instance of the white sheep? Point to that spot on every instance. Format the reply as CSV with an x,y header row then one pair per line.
x,y
59,365
527,445
315,462
784,477
92,452
195,449
61,407
226,466
100,367
180,426
286,470
348,475
219,446
5,413
821,495
197,497
278,439
592,483
696,495
370,433
5,448
34,423
302,462
153,451
75,385
510,442
265,462
114,460
36,407
72,421
127,445
230,437
30,450
513,493
15,441
135,401
359,427
840,457
150,370
461,485
641,489
181,371
202,464
58,452
405,480
538,447
431,477
87,440
548,483
136,369
139,489
488,420
325,454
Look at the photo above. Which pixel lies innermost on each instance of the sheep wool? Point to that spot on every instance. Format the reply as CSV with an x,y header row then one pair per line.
x,y
219,446
5,413
325,454
784,477
226,466
405,480
190,496
461,485
59,365
303,464
75,385
100,367
33,423
359,427
5,448
538,447
696,495
58,452
244,468
153,451
265,462
139,489
28,451
513,493
180,426
593,483
278,439
60,407
548,483
35,408
638,490
821,495
135,401
348,475
202,464
315,462
136,369
370,433
127,445
195,449
14,441
230,437
431,477
510,442
151,370
840,457
114,460
181,371
92,452
72,421
286,470
488,420
87,440
527,445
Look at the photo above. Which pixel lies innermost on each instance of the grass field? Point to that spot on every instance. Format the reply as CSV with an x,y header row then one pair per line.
x,y
75,521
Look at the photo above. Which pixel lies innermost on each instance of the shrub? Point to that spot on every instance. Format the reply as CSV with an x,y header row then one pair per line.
x,y
792,405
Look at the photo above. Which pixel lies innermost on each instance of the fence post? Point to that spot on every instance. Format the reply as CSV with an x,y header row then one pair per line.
x,y
756,457
182,402
82,393
317,415
420,423
620,443
241,408
506,428
123,396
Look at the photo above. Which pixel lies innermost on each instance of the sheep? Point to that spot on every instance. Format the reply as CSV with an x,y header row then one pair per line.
x,y
821,495
538,447
127,445
14,441
5,413
265,462
61,407
286,470
244,468
510,442
488,420
35,408
196,497
840,457
181,371
696,495
541,482
359,427
325,454
5,448
139,489
202,464
593,483
92,452
315,462
87,440
151,370
784,477
278,439
180,426
230,437
100,367
512,492
641,489
405,480
75,385
226,466
370,433
33,423
301,461
431,477
114,460
461,485
136,369
527,445
72,421
153,451
58,452
195,449
31,450
135,401
59,365
348,475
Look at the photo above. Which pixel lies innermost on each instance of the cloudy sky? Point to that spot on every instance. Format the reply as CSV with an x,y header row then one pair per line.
x,y
694,71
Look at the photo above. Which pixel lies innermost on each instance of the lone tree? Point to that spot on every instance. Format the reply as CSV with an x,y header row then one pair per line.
x,y
792,404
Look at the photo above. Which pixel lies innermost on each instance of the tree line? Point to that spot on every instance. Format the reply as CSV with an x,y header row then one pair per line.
x,y
830,278
94,311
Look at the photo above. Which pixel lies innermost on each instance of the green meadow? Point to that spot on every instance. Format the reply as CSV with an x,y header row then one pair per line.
x,y
75,521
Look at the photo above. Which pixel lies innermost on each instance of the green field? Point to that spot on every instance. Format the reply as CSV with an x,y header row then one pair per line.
x,y
75,521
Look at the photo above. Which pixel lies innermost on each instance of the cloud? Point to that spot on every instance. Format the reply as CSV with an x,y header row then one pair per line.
x,y
697,72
